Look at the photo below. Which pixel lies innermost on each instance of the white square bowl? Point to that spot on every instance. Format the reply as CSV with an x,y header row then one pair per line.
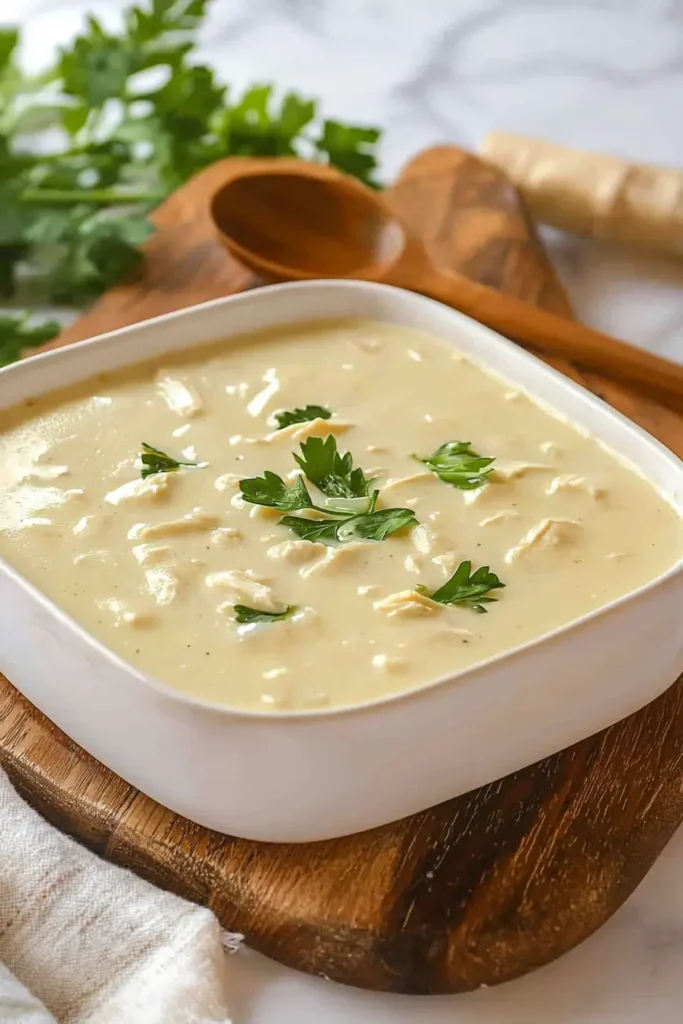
x,y
301,776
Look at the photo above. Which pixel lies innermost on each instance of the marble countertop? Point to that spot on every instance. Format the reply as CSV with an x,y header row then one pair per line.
x,y
602,74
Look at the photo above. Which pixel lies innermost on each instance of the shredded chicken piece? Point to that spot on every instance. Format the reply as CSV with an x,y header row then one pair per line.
x,y
162,584
550,448
499,517
546,534
297,552
335,559
247,588
36,474
227,481
124,615
102,556
413,564
194,522
308,699
179,397
312,428
447,562
226,536
504,471
269,700
148,554
387,663
260,400
264,512
408,604
575,482
150,491
454,633
318,428
274,673
304,616
42,525
478,495
73,494
92,525
427,541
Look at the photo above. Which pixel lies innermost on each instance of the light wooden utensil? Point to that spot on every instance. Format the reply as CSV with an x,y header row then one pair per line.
x,y
292,220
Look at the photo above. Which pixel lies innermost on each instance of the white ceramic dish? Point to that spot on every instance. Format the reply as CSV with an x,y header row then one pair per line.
x,y
312,775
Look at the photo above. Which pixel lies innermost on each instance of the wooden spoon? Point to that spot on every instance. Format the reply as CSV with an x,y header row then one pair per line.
x,y
290,221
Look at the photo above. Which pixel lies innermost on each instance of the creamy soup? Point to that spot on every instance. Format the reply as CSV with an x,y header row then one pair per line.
x,y
189,573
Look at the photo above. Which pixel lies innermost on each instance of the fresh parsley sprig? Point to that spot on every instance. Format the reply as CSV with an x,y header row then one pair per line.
x,y
346,490
467,588
288,417
331,472
155,461
271,490
245,615
75,211
456,463
372,526
348,499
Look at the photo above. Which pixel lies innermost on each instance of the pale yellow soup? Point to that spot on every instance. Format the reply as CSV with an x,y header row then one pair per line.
x,y
154,568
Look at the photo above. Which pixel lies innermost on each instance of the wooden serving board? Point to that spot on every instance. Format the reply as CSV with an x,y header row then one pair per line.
x,y
478,890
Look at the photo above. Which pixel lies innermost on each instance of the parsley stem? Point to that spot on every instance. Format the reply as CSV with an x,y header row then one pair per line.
x,y
57,196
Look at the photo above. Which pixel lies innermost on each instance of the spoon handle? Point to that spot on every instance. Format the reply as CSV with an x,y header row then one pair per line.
x,y
551,333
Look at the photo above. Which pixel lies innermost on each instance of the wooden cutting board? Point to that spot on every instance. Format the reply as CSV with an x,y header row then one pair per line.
x,y
478,890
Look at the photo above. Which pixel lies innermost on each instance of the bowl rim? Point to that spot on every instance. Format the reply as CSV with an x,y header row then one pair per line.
x,y
460,677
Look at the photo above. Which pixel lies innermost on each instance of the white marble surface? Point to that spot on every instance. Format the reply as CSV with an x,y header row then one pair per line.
x,y
606,74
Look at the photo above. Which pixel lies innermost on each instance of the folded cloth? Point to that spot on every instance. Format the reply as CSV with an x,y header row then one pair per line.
x,y
84,942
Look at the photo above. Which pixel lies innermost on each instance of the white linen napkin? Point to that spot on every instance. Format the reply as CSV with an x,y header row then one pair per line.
x,y
84,942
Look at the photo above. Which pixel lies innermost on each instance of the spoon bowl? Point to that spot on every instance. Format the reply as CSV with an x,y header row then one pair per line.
x,y
289,220
290,226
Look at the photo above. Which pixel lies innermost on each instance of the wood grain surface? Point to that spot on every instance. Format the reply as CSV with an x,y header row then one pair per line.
x,y
478,890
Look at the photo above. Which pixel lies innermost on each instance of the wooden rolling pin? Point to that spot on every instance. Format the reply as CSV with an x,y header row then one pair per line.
x,y
593,194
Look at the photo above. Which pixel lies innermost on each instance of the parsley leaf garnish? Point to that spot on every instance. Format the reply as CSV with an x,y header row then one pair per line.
x,y
77,185
346,490
348,501
312,529
271,490
155,461
371,526
248,616
288,417
467,588
332,473
376,525
456,463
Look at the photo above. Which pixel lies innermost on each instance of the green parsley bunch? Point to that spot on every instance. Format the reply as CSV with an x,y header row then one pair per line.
x,y
122,119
